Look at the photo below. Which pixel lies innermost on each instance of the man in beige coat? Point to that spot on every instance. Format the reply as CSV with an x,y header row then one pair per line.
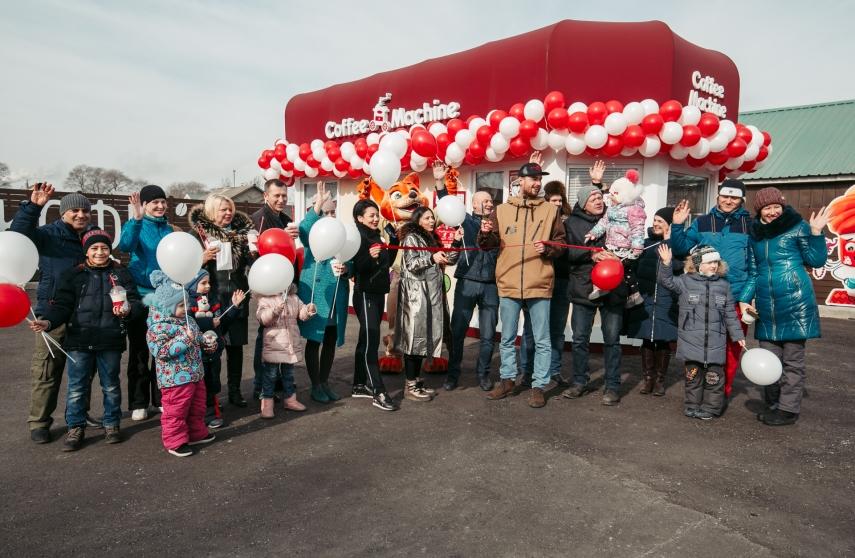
x,y
522,228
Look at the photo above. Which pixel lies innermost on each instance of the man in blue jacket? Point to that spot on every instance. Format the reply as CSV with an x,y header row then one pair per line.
x,y
726,228
140,237
476,286
60,248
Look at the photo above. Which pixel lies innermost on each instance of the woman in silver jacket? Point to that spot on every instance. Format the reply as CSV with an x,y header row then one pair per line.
x,y
421,299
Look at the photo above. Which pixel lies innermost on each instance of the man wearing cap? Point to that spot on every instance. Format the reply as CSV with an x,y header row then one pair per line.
x,y
522,229
726,228
60,248
140,237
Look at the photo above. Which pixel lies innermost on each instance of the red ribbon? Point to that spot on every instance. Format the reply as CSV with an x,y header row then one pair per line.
x,y
461,249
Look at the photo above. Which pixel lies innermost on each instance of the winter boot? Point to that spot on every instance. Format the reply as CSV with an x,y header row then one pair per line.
x,y
647,368
267,408
291,404
661,359
413,393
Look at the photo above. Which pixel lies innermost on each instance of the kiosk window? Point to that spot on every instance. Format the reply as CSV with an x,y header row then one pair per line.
x,y
578,177
688,187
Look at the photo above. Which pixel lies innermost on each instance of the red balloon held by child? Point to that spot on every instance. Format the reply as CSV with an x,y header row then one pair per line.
x,y
607,274
277,241
14,305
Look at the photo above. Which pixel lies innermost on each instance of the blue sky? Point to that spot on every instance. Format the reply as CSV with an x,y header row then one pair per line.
x,y
176,91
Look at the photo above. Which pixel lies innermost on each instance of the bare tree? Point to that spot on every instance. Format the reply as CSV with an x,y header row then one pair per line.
x,y
192,189
114,180
4,175
96,180
225,182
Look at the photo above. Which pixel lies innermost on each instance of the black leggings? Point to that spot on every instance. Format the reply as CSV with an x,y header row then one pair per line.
x,y
656,345
234,367
413,366
319,367
369,311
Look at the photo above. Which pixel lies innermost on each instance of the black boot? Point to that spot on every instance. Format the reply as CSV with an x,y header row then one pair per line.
x,y
647,368
661,360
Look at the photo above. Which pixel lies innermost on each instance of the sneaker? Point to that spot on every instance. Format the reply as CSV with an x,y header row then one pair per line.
x,y
780,418
93,423
450,384
485,383
361,390
139,414
215,422
40,435
206,440
112,435
690,412
184,451
159,410
611,398
74,439
704,415
575,391
634,300
385,403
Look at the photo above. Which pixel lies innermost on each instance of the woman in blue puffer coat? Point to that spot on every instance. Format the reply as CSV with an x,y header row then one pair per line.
x,y
783,244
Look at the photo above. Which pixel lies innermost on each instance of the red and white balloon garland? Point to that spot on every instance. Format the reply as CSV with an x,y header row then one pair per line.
x,y
599,129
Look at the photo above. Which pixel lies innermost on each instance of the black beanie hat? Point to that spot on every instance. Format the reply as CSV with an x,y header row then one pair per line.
x,y
666,213
95,236
151,193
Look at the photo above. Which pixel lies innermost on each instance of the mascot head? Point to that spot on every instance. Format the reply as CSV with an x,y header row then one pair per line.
x,y
398,202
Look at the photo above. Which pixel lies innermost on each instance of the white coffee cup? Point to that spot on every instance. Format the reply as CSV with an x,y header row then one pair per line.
x,y
252,240
334,263
747,318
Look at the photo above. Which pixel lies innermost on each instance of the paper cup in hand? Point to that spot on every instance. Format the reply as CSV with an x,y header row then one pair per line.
x,y
119,296
252,240
747,318
334,263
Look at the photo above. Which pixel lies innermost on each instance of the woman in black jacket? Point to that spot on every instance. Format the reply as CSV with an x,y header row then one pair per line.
x,y
89,300
371,284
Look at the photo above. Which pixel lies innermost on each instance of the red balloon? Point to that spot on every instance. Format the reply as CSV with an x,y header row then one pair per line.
x,y
737,147
334,153
614,106
553,100
361,147
372,149
305,151
652,123
495,118
718,158
277,241
279,152
578,122
517,111
340,164
455,125
264,162
353,173
613,146
520,145
424,143
722,174
748,166
478,149
484,133
695,162
743,133
597,113
470,159
299,258
708,124
691,136
763,153
287,165
14,305
671,110
528,129
312,162
558,118
633,136
329,144
767,139
607,274
443,140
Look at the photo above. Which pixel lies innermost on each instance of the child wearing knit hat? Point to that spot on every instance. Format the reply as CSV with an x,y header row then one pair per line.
x,y
176,344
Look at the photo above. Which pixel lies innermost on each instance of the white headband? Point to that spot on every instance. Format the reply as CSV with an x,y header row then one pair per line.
x,y
710,257
730,191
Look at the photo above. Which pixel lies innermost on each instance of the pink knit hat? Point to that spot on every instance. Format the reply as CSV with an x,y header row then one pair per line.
x,y
768,196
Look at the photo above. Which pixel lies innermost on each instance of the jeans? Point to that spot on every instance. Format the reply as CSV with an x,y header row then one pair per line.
x,y
509,313
80,385
468,294
559,309
272,371
581,322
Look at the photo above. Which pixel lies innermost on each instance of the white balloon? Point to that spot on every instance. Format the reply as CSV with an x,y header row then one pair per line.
x,y
769,152
509,127
650,106
326,237
499,143
557,138
385,168
752,152
615,123
416,159
280,141
728,129
454,164
291,151
394,143
451,211
700,149
19,257
366,168
356,162
718,142
533,110
691,116
575,144
628,151
338,173
316,145
756,135
734,163
596,136
679,152
347,150
578,106
650,147
403,133
319,155
454,152
437,128
492,156
326,164
372,138
352,242
270,174
671,133
270,274
633,112
418,167
300,165
311,172
761,366
276,165
288,174
476,123
463,138
540,140
179,256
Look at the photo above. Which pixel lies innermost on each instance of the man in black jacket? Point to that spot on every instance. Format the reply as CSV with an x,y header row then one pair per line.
x,y
585,215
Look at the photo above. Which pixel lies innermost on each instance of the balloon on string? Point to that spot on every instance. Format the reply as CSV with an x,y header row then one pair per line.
x,y
352,242
326,237
270,274
607,274
385,168
761,366
179,256
19,257
451,211
301,257
14,305
277,241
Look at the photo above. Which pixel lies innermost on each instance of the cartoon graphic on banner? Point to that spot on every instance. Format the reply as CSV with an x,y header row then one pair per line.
x,y
841,223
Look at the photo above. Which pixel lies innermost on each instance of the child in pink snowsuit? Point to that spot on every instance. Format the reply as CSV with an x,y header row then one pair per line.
x,y
623,224
175,343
